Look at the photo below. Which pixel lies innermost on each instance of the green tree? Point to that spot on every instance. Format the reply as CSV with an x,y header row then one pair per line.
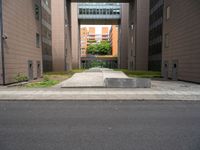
x,y
102,48
92,49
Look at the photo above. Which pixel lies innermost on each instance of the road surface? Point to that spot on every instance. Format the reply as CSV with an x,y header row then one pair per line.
x,y
99,125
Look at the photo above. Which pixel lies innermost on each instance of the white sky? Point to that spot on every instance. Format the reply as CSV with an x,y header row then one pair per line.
x,y
98,27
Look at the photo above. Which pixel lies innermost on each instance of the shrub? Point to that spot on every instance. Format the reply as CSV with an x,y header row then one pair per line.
x,y
46,79
21,77
96,63
102,48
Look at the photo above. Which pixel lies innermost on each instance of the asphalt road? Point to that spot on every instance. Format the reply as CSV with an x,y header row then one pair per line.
x,y
95,125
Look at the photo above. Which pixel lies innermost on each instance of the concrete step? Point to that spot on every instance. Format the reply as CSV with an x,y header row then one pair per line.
x,y
117,79
127,83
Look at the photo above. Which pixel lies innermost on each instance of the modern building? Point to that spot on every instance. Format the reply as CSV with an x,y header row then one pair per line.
x,y
21,46
181,40
46,36
155,35
114,39
37,33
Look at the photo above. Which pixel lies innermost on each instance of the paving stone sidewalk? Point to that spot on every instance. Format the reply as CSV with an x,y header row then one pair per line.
x,y
161,90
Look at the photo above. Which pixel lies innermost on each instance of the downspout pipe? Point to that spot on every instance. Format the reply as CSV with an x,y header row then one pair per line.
x,y
2,40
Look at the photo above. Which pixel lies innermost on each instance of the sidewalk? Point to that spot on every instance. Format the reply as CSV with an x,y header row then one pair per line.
x,y
161,90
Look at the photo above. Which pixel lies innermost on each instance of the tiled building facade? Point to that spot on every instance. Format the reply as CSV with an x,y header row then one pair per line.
x,y
21,48
181,40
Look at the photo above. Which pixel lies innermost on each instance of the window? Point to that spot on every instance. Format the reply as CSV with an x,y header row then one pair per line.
x,y
168,13
107,11
90,11
37,40
166,40
80,11
97,11
94,12
104,11
37,12
83,11
46,2
87,11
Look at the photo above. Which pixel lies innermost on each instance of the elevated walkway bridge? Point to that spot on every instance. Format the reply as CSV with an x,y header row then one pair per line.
x,y
99,13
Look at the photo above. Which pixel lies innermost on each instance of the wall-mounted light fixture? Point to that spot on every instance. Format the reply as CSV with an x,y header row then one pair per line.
x,y
131,26
4,37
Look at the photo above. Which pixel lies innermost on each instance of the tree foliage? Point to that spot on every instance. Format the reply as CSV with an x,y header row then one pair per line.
x,y
102,48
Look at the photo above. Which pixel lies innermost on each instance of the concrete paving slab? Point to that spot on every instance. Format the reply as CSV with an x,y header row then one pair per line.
x,y
160,90
103,77
85,79
113,74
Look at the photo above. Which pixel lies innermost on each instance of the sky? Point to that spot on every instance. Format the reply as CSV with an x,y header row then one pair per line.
x,y
98,27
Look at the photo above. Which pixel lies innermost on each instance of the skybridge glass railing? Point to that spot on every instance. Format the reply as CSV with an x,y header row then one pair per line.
x,y
99,11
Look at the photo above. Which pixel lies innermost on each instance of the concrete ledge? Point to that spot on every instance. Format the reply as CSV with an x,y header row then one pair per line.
x,y
127,83
143,83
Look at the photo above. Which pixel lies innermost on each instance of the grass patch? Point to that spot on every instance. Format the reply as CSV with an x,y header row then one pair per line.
x,y
52,78
65,73
42,84
141,74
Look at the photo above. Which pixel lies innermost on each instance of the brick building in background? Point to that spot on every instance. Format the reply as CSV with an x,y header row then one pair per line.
x,y
21,49
91,37
83,37
114,39
105,34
